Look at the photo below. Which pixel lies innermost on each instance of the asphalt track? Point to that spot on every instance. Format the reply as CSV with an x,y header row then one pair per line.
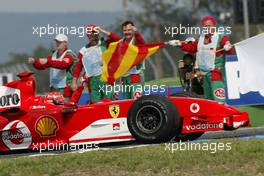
x,y
242,133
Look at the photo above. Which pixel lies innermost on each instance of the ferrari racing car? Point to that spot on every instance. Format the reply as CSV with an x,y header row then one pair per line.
x,y
28,120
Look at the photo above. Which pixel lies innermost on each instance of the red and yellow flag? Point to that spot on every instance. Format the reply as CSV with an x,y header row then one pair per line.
x,y
120,57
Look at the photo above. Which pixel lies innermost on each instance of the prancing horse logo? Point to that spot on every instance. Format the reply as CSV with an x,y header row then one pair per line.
x,y
114,110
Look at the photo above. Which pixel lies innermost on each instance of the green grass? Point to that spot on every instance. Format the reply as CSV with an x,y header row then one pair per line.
x,y
256,114
171,81
244,158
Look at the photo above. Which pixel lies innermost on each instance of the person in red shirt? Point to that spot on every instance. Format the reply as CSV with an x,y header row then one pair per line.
x,y
134,79
60,63
210,48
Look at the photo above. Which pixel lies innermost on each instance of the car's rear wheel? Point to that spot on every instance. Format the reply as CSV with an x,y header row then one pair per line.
x,y
188,136
153,119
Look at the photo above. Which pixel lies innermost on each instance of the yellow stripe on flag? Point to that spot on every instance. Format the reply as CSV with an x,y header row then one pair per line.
x,y
127,61
152,50
107,55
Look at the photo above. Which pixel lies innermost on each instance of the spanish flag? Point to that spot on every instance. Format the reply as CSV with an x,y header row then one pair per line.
x,y
120,57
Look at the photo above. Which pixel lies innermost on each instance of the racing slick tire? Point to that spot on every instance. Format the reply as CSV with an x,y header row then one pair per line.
x,y
188,136
153,119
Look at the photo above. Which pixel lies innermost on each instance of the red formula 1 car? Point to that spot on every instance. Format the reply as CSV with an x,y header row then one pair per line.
x,y
28,120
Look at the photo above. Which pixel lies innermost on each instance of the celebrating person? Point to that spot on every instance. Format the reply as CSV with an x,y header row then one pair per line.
x,y
210,48
134,78
90,58
60,63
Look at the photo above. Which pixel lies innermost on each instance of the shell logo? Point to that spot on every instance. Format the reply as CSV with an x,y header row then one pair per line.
x,y
46,126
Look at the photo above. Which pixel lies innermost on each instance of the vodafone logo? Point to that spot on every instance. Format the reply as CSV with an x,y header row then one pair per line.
x,y
220,93
194,108
16,135
205,126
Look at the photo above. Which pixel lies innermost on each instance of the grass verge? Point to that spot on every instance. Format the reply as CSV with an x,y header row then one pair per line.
x,y
244,158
